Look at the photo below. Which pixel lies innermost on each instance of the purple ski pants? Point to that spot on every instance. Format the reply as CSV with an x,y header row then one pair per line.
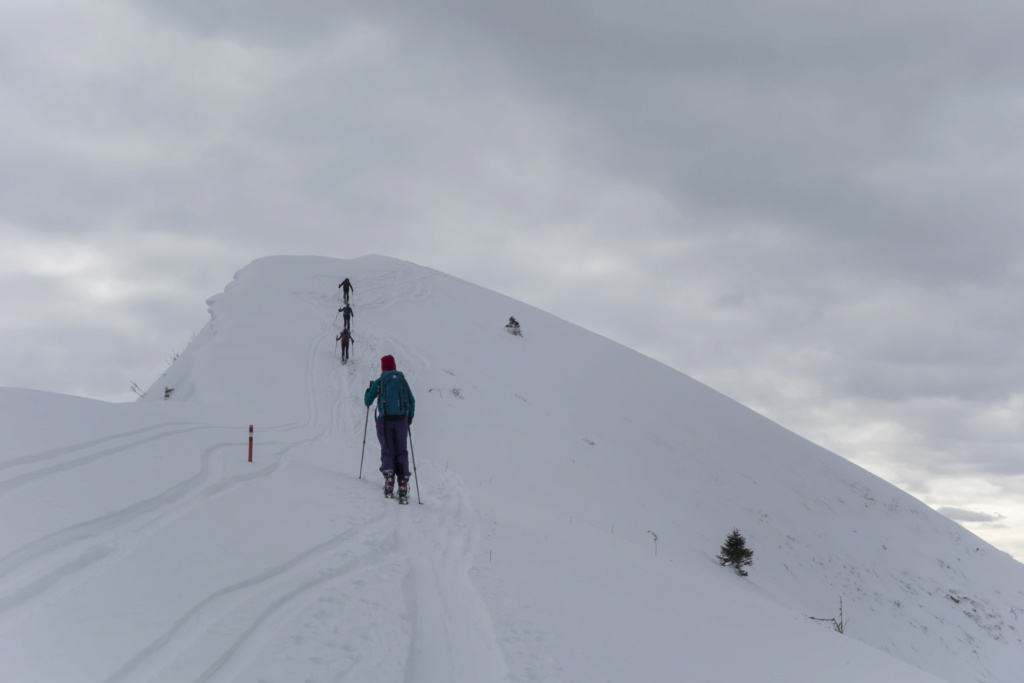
x,y
394,452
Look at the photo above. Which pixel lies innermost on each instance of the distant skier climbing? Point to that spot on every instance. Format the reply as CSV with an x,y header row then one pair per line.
x,y
346,315
345,338
345,288
395,409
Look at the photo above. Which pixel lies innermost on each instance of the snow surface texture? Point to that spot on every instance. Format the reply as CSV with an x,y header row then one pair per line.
x,y
575,494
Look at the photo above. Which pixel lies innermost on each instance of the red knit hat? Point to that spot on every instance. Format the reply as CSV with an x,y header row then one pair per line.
x,y
387,363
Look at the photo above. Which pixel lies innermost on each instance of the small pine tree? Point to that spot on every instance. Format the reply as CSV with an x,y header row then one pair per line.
x,y
513,327
735,553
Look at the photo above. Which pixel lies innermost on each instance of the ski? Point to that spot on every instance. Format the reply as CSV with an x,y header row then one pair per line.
x,y
402,497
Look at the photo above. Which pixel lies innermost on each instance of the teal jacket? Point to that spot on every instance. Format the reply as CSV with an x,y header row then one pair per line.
x,y
371,394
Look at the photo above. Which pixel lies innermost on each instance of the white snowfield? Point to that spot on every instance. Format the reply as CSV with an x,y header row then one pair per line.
x,y
574,496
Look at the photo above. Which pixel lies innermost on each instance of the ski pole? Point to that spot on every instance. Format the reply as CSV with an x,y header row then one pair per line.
x,y
367,424
336,315
412,454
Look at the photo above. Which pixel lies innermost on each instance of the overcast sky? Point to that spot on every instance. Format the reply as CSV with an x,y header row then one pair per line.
x,y
814,207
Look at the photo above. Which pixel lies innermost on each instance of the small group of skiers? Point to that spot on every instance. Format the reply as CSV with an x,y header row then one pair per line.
x,y
345,337
396,407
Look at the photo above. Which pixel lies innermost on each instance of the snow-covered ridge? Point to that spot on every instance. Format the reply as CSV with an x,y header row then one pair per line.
x,y
575,494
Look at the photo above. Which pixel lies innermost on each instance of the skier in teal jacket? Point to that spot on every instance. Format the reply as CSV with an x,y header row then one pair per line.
x,y
396,407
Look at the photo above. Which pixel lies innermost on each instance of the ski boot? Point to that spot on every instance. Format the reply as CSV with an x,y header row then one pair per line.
x,y
389,484
403,491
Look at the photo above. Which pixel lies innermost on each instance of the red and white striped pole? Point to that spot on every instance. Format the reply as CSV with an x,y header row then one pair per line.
x,y
250,443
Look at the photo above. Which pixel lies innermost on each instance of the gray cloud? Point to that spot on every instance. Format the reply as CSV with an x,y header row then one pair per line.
x,y
271,22
815,118
970,516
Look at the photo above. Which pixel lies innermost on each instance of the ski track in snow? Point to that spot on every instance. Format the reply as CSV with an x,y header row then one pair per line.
x,y
66,558
389,289
383,288
271,596
75,449
74,456
326,376
441,540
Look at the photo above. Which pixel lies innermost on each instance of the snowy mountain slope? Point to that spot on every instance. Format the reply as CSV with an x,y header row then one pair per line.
x,y
574,496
